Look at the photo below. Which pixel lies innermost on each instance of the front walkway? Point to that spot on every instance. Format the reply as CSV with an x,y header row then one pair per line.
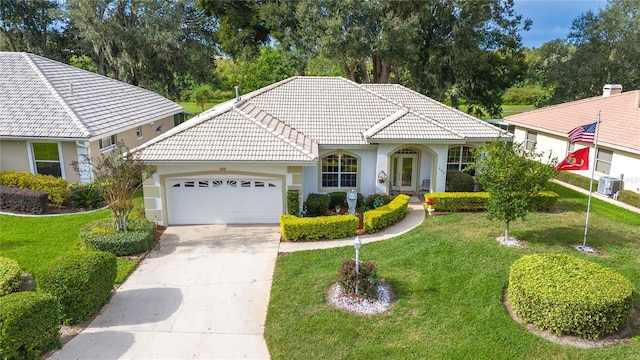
x,y
415,216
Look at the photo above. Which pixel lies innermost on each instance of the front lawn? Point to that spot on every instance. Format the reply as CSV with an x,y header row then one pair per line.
x,y
35,242
449,275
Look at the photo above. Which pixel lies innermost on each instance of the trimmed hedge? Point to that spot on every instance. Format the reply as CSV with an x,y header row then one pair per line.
x,y
458,181
629,197
315,228
23,200
54,186
568,295
10,276
575,179
477,201
338,198
29,325
386,215
318,204
102,235
81,283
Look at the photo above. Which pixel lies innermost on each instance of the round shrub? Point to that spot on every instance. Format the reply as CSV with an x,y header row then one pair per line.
x,y
81,283
10,276
29,325
567,295
102,235
458,181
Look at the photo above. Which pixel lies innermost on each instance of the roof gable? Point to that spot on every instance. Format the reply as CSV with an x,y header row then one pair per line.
x,y
619,116
49,99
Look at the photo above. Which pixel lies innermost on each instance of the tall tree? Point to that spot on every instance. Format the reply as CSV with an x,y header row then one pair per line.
x,y
604,49
512,176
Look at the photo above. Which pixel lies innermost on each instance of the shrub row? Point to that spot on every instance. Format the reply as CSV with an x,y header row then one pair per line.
x,y
629,197
54,186
575,179
477,201
23,200
81,283
102,235
29,325
10,276
293,202
315,228
319,204
386,215
567,295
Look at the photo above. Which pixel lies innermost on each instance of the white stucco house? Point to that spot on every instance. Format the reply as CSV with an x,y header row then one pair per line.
x,y
618,154
235,162
52,114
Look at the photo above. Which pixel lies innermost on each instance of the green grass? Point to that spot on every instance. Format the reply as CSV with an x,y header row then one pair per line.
x,y
449,275
194,108
36,242
507,110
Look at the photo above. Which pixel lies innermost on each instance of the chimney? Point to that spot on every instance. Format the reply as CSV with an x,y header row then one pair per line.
x,y
611,89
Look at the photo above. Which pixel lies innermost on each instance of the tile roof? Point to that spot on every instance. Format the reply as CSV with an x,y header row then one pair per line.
x,y
619,115
310,111
42,98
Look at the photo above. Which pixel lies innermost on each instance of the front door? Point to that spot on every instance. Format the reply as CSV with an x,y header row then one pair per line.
x,y
404,170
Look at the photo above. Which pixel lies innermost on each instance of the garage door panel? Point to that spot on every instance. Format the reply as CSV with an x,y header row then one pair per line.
x,y
224,201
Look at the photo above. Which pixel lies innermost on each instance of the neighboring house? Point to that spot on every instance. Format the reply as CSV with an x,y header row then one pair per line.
x,y
618,153
52,114
235,162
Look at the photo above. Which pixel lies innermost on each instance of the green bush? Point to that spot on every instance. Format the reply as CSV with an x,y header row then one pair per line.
x,y
102,235
575,179
54,186
10,276
337,199
85,196
527,95
477,201
377,199
81,282
458,181
293,202
386,215
366,278
315,228
318,204
629,197
29,325
567,295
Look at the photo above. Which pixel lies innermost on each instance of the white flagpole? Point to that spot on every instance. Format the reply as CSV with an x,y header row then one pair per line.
x,y
593,168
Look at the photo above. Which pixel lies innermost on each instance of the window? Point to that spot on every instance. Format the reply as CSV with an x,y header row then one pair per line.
x,y
47,159
139,132
459,157
107,142
339,171
603,161
178,119
530,142
571,148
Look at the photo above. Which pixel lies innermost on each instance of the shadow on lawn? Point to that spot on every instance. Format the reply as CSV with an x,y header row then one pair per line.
x,y
564,235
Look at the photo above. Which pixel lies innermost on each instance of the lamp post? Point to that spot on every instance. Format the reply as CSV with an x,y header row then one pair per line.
x,y
357,244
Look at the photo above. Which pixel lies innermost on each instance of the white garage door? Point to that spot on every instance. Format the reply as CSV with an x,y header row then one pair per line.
x,y
224,201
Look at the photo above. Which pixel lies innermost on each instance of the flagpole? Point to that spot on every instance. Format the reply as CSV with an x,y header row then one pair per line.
x,y
595,159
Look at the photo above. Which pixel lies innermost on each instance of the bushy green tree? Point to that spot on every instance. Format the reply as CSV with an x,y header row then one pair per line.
x,y
513,177
201,95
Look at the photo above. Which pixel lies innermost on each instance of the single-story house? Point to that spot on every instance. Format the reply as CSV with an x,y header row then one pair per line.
x,y
618,154
52,114
235,162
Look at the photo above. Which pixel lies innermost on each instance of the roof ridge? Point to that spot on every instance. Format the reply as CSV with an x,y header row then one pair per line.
x,y
410,110
56,94
279,134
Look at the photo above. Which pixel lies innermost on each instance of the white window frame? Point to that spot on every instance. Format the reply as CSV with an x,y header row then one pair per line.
x,y
530,144
602,162
33,166
340,156
459,163
113,140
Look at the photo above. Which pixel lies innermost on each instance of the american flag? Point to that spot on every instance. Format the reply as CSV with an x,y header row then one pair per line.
x,y
584,133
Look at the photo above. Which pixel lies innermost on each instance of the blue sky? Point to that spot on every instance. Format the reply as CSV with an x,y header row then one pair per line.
x,y
552,19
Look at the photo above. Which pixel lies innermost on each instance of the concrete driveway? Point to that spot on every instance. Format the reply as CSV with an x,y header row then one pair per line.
x,y
203,294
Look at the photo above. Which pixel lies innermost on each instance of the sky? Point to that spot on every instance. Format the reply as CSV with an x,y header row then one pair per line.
x,y
552,18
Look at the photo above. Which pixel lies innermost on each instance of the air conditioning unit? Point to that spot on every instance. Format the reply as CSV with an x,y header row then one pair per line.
x,y
609,185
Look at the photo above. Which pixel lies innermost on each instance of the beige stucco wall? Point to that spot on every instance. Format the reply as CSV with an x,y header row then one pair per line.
x,y
13,155
131,140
